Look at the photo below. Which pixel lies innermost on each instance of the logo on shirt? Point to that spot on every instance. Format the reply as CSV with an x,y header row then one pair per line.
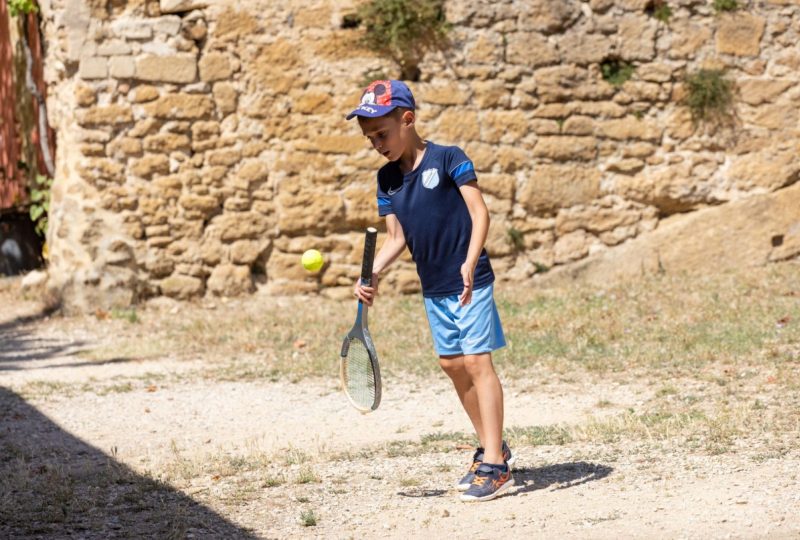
x,y
430,178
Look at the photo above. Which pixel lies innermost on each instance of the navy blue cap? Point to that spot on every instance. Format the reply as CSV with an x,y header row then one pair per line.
x,y
382,97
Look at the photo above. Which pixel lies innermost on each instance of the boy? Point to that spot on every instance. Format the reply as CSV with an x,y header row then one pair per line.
x,y
429,196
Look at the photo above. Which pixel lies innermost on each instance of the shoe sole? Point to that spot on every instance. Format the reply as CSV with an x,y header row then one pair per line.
x,y
491,496
465,487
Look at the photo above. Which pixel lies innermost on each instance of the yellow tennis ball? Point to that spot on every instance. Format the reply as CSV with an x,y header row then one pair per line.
x,y
312,260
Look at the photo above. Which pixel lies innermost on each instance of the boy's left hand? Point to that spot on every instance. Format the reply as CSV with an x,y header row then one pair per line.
x,y
467,273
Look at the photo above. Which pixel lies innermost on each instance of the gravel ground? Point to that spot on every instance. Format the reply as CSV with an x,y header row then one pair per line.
x,y
276,459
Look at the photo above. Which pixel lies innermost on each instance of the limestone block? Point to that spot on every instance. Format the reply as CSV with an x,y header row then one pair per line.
x,y
123,147
579,47
637,38
361,209
579,125
630,128
740,34
166,142
561,83
230,280
566,148
240,225
766,169
626,166
225,96
168,24
149,165
309,209
105,115
530,49
180,6
556,186
215,66
458,125
93,67
688,38
498,185
181,287
85,95
503,126
546,16
225,157
180,68
484,48
571,247
121,67
333,144
181,106
247,251
595,219
253,172
760,91
93,169
441,94
490,94
205,205
132,28
113,47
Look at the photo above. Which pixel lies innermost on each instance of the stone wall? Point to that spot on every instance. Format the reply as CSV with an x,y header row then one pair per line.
x,y
202,145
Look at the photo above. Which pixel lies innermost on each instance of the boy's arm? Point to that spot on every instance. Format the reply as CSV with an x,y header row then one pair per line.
x,y
480,229
391,248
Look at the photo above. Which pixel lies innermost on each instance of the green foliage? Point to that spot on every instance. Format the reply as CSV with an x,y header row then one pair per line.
x,y
308,518
22,7
405,30
616,71
726,5
661,11
516,239
709,96
40,203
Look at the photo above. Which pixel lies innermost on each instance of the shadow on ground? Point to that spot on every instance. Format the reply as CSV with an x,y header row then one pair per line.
x,y
19,343
562,475
54,485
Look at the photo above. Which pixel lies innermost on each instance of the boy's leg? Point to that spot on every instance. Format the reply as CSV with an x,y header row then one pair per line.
x,y
453,365
489,393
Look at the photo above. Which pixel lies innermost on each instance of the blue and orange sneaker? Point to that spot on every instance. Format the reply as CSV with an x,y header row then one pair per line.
x,y
489,482
477,459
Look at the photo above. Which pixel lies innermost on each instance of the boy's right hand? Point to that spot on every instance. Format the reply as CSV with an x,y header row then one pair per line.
x,y
366,293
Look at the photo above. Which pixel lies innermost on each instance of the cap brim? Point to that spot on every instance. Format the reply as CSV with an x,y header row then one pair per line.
x,y
371,111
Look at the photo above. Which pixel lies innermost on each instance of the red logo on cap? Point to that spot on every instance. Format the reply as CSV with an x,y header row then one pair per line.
x,y
377,93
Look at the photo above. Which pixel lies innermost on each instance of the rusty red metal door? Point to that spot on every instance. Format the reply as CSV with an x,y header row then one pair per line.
x,y
16,171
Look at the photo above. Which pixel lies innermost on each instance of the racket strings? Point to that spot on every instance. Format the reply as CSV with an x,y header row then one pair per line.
x,y
359,376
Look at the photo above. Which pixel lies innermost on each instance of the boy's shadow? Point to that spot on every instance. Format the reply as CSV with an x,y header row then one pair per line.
x,y
565,475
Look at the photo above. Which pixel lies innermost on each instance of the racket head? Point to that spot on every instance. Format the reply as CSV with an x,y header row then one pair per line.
x,y
359,372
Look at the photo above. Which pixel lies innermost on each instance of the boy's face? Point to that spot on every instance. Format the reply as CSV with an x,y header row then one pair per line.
x,y
389,134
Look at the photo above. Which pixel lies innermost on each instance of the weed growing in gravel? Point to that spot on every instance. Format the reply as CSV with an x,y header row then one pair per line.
x,y
308,518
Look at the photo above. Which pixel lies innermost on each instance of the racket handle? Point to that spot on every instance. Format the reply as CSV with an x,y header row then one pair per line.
x,y
369,255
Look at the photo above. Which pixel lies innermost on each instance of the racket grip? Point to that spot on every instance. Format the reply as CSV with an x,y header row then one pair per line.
x,y
369,255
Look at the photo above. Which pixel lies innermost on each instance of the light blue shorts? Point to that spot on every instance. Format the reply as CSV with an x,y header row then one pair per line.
x,y
471,329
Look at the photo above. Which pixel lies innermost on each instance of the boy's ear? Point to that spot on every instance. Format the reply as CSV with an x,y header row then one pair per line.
x,y
408,118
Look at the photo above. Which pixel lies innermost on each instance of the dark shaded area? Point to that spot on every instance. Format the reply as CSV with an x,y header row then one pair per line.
x,y
19,343
53,485
20,246
422,493
565,475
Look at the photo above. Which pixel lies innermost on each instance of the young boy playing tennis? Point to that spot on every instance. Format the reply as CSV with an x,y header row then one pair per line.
x,y
430,199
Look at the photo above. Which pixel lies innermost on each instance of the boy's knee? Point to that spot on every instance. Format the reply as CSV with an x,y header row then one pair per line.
x,y
452,365
477,364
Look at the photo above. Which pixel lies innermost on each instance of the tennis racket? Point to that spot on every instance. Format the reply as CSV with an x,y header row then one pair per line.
x,y
359,370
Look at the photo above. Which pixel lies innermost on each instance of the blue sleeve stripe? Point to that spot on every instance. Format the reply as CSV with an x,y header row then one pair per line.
x,y
384,201
461,169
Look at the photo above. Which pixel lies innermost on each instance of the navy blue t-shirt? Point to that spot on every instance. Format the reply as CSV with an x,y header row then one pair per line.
x,y
434,217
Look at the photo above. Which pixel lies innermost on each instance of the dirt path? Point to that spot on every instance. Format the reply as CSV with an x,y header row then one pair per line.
x,y
261,454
